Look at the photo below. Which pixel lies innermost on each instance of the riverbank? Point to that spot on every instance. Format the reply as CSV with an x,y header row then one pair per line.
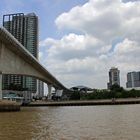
x,y
6,106
86,102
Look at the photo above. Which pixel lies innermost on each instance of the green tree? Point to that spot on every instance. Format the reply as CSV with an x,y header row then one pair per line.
x,y
75,95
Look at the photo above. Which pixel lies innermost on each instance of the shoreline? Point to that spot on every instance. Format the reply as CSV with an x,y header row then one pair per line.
x,y
85,102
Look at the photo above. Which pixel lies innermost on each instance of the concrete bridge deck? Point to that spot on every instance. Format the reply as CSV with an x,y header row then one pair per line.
x,y
15,59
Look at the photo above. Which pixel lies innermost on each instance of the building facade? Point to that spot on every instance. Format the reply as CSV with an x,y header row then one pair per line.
x,y
114,77
14,24
133,79
25,29
40,92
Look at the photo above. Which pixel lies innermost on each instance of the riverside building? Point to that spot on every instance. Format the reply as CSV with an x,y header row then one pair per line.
x,y
114,77
25,29
133,79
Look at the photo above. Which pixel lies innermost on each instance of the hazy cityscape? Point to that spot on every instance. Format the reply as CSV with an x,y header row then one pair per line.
x,y
69,70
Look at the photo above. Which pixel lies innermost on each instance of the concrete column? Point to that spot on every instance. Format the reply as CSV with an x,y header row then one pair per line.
x,y
0,85
49,92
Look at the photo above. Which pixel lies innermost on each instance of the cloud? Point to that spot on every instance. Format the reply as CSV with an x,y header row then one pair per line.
x,y
85,58
73,46
103,19
130,0
128,47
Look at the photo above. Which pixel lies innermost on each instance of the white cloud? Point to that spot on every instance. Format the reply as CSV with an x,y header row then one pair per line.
x,y
128,47
130,0
103,19
86,58
73,46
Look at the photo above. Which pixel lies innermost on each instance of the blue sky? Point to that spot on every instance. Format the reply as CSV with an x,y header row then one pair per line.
x,y
80,40
46,10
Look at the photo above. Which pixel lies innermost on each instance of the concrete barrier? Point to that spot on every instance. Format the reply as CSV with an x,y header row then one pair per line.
x,y
6,106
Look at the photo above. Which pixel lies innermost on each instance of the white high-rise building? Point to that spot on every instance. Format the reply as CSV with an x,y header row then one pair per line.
x,y
40,90
133,79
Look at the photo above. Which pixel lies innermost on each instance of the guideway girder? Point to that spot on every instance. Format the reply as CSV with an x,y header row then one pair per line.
x,y
15,59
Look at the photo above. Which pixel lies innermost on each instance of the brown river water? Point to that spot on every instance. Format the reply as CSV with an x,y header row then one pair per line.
x,y
117,122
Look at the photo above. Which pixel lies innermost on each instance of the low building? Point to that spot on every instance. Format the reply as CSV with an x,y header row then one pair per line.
x,y
82,89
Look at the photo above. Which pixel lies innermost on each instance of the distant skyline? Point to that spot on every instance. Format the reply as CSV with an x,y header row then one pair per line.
x,y
80,40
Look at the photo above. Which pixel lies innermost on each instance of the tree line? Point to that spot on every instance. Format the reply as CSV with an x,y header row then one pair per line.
x,y
115,92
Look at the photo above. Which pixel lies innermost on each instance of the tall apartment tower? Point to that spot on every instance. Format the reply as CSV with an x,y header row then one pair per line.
x,y
14,24
31,44
25,29
133,79
114,77
40,89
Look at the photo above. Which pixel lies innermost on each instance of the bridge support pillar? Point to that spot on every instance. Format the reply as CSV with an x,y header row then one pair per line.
x,y
49,92
0,85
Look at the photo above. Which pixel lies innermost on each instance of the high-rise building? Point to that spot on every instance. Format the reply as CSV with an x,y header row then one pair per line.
x,y
25,29
114,77
40,89
31,44
133,79
14,24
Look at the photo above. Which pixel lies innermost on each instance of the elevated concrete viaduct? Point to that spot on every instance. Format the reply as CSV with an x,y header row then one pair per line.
x,y
15,59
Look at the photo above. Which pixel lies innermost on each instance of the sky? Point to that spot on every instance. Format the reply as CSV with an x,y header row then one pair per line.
x,y
80,40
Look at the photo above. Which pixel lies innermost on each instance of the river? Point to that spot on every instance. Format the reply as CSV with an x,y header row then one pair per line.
x,y
117,122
